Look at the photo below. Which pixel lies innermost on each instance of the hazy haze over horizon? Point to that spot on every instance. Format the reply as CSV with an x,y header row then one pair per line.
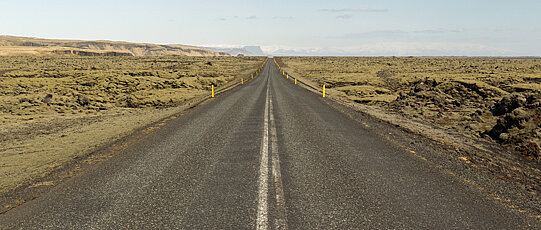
x,y
315,27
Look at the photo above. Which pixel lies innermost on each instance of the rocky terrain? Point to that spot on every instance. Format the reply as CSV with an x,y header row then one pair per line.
x,y
24,46
496,99
57,109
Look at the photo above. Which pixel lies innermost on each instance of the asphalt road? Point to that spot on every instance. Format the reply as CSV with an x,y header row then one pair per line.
x,y
265,155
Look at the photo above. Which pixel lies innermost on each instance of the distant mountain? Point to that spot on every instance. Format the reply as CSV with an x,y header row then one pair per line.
x,y
236,51
255,50
25,46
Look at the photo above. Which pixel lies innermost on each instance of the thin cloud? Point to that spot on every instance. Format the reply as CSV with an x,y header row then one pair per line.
x,y
394,49
358,10
436,31
284,18
344,16
236,17
429,31
376,34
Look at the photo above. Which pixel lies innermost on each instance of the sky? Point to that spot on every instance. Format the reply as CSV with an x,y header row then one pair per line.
x,y
293,27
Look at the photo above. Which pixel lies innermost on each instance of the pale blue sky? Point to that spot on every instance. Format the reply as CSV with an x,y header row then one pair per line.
x,y
304,27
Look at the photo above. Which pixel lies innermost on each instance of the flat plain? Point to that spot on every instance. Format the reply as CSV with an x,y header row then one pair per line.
x,y
270,154
54,110
59,110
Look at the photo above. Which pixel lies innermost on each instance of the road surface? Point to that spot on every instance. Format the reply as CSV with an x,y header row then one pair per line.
x,y
265,155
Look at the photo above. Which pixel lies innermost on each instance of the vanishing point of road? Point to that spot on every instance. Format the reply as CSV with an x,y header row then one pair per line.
x,y
266,155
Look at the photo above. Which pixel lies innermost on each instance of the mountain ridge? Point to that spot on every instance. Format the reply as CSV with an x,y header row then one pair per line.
x,y
30,46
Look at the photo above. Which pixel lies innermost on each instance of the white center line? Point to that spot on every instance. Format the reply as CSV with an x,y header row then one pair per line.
x,y
262,208
280,222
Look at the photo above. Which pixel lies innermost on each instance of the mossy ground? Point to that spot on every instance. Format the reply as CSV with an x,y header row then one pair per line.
x,y
56,109
493,98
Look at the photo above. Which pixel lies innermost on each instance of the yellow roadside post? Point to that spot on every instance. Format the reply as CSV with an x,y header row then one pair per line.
x,y
287,76
295,81
242,81
323,90
212,90
252,76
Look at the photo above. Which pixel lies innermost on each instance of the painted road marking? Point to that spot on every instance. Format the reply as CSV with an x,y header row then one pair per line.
x,y
262,208
280,222
269,124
